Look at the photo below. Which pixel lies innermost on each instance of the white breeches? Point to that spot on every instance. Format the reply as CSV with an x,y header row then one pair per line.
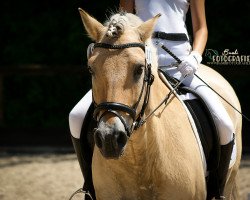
x,y
77,114
222,119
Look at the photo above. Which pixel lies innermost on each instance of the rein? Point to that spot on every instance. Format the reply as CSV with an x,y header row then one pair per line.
x,y
113,107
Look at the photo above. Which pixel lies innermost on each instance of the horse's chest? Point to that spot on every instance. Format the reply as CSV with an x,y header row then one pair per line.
x,y
113,180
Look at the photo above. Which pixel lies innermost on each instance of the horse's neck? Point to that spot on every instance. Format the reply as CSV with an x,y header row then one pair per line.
x,y
160,129
165,130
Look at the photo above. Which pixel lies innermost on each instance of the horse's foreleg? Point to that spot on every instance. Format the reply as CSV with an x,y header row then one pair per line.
x,y
232,187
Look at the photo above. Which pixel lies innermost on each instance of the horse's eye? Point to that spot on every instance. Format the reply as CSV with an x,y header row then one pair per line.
x,y
138,71
90,70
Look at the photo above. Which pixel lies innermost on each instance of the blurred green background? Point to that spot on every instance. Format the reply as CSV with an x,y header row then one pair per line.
x,y
43,57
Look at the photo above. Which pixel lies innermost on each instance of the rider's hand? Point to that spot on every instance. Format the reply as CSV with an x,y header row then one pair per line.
x,y
190,64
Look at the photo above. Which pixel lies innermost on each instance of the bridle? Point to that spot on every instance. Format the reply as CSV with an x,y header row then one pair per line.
x,y
115,107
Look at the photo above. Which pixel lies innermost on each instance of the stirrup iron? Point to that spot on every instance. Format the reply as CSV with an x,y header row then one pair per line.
x,y
81,191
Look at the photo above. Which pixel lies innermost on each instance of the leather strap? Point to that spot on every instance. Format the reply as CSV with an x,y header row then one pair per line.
x,y
119,46
170,36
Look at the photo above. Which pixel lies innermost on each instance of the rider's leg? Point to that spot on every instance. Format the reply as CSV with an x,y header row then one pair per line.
x,y
77,115
82,149
223,122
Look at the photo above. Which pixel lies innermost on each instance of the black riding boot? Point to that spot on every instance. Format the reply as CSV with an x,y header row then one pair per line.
x,y
226,151
84,151
85,165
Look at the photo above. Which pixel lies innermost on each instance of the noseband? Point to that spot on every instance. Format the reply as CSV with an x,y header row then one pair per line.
x,y
114,107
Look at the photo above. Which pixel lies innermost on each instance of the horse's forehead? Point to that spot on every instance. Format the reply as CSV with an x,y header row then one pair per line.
x,y
120,57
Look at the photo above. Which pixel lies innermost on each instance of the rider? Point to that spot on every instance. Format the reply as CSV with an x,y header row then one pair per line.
x,y
171,31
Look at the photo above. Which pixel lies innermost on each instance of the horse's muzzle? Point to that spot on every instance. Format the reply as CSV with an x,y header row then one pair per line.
x,y
111,142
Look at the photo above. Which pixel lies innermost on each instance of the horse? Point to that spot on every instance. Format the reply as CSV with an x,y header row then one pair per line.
x,y
159,158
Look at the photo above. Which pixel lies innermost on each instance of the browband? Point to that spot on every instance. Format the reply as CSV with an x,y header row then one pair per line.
x,y
119,46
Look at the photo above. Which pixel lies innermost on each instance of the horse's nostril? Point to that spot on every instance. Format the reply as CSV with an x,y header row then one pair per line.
x,y
98,138
121,139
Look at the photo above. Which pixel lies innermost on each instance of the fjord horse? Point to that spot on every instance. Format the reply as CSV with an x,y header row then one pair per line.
x,y
159,159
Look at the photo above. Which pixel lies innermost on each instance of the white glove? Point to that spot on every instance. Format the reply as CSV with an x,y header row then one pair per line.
x,y
190,64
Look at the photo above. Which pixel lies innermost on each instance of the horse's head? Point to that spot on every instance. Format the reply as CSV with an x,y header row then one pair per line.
x,y
121,77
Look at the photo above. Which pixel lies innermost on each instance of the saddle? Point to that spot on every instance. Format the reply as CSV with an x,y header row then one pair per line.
x,y
205,126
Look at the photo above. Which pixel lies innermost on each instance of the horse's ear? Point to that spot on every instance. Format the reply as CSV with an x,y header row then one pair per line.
x,y
146,29
94,28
